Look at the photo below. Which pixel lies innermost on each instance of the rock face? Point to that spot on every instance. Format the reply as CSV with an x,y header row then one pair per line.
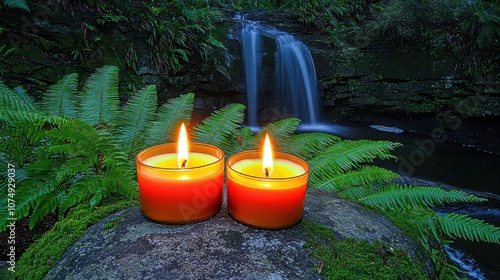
x,y
218,248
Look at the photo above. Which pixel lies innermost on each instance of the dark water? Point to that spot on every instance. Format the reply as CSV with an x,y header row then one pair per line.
x,y
448,163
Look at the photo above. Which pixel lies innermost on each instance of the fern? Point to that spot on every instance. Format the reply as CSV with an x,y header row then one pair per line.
x,y
21,4
169,117
14,99
99,103
346,155
392,197
308,145
44,205
61,99
138,115
280,131
221,126
365,177
241,140
462,226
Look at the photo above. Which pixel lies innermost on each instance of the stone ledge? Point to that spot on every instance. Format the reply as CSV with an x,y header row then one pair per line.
x,y
126,245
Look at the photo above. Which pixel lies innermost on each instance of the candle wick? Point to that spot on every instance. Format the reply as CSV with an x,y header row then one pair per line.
x,y
266,171
184,162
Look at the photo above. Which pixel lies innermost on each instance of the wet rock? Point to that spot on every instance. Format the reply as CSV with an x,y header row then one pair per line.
x,y
218,248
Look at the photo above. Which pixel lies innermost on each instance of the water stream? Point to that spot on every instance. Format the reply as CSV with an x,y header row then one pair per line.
x,y
294,75
461,167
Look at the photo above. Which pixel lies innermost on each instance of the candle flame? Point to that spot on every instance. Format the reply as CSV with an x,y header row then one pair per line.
x,y
267,164
182,147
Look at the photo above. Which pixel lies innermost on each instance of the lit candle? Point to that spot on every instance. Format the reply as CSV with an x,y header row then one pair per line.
x,y
180,183
266,192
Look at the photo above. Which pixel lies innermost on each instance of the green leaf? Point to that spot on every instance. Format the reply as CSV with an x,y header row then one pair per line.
x,y
61,98
393,197
365,177
221,127
21,4
462,226
347,155
138,115
279,131
15,99
308,145
169,118
100,102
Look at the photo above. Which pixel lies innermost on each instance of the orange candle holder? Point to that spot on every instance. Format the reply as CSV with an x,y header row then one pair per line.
x,y
180,195
266,202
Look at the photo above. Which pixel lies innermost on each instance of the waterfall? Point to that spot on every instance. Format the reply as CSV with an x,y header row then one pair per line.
x,y
297,78
294,73
251,38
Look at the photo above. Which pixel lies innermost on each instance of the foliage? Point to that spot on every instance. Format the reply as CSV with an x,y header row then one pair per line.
x,y
43,254
21,4
462,27
61,160
169,116
221,125
176,32
358,259
465,28
99,103
337,21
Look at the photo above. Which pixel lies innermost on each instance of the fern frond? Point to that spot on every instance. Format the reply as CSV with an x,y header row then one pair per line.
x,y
220,127
14,117
462,226
243,140
169,117
61,98
348,154
138,115
279,131
99,103
393,197
21,4
308,145
339,183
45,205
15,99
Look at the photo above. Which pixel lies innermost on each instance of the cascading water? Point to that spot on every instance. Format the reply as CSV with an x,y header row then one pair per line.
x,y
295,74
251,39
297,78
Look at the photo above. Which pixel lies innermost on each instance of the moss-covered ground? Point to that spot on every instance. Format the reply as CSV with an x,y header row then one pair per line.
x,y
358,259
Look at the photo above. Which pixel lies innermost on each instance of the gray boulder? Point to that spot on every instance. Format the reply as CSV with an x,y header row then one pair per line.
x,y
126,245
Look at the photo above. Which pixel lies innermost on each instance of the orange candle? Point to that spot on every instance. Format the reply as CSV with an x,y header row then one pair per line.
x,y
264,192
180,186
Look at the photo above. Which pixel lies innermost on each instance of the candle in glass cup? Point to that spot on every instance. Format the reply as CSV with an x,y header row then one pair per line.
x,y
180,186
266,192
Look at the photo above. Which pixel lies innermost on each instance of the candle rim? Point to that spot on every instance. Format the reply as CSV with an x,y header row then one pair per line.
x,y
179,169
304,165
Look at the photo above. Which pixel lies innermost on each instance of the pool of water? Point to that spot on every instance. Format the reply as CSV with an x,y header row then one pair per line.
x,y
448,163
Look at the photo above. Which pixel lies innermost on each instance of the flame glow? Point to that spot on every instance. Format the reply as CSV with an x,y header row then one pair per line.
x,y
267,164
182,148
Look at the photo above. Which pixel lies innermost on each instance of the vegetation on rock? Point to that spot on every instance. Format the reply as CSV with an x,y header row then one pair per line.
x,y
68,156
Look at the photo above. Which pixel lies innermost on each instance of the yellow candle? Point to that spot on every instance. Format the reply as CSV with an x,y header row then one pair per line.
x,y
180,187
282,168
269,199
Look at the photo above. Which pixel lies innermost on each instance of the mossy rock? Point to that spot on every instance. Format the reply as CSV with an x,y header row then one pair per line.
x,y
126,245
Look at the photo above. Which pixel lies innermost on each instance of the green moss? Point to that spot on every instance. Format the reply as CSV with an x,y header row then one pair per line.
x,y
42,255
359,259
114,223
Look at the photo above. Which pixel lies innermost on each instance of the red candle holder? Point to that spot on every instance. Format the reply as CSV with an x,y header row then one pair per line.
x,y
273,202
179,195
